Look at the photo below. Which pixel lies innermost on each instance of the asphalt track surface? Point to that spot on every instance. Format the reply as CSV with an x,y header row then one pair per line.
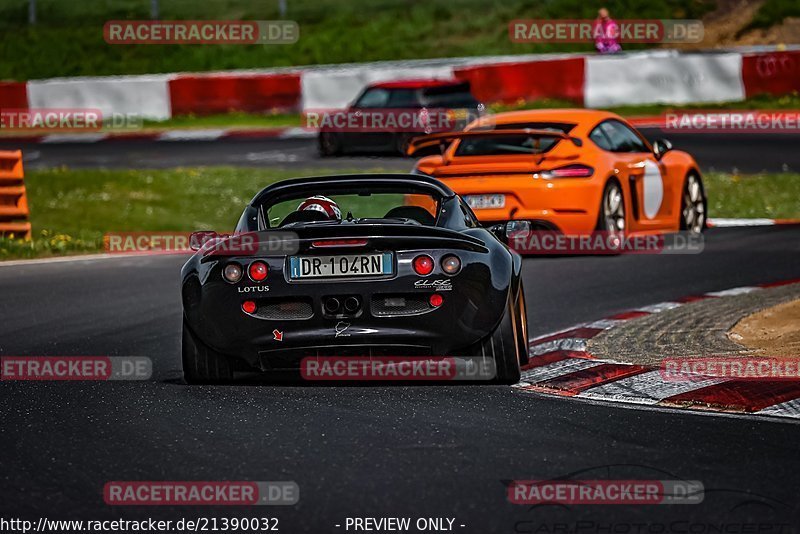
x,y
387,451
745,152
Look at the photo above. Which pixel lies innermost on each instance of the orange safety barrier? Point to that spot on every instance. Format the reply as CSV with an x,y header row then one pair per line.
x,y
14,214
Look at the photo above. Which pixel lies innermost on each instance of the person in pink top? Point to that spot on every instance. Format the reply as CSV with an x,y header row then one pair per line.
x,y
606,33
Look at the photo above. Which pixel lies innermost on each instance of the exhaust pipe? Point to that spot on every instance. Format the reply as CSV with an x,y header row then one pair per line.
x,y
332,305
352,304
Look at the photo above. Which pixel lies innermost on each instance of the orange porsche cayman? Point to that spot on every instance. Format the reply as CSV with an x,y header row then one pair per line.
x,y
570,170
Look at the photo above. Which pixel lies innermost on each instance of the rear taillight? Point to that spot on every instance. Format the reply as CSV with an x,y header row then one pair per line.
x,y
232,272
258,271
570,171
423,265
436,300
248,306
451,264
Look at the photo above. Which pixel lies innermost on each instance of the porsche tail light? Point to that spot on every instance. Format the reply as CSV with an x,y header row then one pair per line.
x,y
423,265
570,171
232,272
249,306
258,271
436,300
451,264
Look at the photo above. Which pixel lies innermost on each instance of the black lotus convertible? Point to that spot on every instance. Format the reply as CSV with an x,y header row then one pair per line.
x,y
406,270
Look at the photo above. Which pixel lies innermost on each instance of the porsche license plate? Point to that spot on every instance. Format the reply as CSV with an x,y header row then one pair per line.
x,y
380,264
482,202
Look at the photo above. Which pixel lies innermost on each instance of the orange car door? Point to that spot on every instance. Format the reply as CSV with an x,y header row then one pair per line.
x,y
651,189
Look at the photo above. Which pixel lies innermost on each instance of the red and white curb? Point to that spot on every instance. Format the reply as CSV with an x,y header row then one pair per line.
x,y
560,365
213,134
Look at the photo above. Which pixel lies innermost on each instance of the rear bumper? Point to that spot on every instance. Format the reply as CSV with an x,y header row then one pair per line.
x,y
473,302
569,205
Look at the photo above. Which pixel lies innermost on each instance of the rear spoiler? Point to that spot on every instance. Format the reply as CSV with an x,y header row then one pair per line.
x,y
445,138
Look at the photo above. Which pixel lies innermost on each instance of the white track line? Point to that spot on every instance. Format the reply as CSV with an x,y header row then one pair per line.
x,y
296,132
730,223
85,257
733,291
191,135
74,138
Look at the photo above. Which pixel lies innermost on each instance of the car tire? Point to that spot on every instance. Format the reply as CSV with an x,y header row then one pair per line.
x,y
201,364
502,345
611,216
694,205
329,144
522,326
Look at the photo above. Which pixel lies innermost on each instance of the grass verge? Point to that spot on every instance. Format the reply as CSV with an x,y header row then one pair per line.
x,y
72,209
68,37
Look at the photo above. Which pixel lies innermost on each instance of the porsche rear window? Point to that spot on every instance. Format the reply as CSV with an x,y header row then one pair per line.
x,y
505,145
563,127
513,144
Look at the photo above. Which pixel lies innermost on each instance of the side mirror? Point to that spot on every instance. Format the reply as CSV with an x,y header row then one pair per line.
x,y
511,231
661,147
517,230
198,239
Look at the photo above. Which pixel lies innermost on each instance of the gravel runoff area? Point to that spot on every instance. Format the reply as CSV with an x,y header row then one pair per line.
x,y
771,332
701,328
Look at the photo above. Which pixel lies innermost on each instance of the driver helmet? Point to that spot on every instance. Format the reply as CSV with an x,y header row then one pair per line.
x,y
322,204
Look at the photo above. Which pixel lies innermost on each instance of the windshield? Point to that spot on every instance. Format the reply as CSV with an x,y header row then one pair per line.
x,y
395,207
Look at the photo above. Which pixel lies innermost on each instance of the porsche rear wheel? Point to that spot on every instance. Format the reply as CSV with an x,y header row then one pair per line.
x,y
693,205
201,364
612,210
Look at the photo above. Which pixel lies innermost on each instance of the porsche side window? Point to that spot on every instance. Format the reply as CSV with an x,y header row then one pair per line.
x,y
622,138
600,139
373,98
